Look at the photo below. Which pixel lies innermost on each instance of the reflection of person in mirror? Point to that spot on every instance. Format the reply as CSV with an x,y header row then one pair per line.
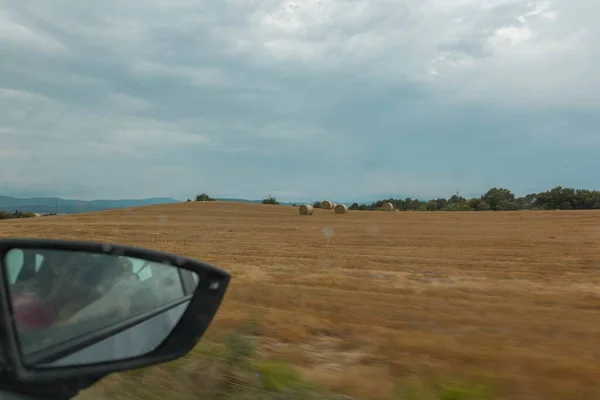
x,y
31,313
66,283
113,297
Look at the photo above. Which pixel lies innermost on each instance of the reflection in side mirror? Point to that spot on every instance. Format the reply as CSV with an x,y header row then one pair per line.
x,y
77,308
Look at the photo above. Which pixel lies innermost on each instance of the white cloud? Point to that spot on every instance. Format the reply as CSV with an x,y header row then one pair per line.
x,y
11,95
511,34
295,133
67,131
396,42
18,35
196,76
127,103
153,134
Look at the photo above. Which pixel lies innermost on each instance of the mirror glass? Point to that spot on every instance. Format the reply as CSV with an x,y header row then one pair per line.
x,y
74,308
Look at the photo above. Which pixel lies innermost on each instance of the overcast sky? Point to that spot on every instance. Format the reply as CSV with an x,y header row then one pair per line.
x,y
306,99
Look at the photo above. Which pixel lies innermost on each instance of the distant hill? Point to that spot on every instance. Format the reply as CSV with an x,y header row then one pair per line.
x,y
290,203
47,205
285,203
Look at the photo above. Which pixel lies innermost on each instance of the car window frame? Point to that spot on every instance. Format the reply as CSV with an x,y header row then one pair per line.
x,y
189,281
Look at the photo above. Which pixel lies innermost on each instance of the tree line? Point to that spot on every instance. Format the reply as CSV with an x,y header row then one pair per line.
x,y
206,197
16,214
496,199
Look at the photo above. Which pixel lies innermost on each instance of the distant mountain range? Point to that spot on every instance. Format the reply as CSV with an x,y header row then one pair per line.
x,y
48,205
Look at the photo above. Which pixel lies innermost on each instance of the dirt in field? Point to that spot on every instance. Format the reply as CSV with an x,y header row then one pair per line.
x,y
362,300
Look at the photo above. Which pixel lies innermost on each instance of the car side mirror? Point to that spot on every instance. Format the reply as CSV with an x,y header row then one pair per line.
x,y
74,309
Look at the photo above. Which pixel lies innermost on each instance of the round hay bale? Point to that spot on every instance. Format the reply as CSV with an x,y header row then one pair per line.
x,y
341,209
387,207
327,205
306,209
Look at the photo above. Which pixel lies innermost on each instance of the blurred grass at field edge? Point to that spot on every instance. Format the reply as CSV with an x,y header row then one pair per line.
x,y
234,370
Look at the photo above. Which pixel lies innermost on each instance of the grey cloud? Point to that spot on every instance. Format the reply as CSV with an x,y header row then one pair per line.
x,y
210,82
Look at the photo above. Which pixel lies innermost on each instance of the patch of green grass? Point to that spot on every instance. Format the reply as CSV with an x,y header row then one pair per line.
x,y
238,349
280,377
464,392
449,389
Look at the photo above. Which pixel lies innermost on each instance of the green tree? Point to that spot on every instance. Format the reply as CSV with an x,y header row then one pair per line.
x,y
16,214
354,206
478,204
563,198
526,202
270,200
204,197
441,203
431,205
456,199
464,206
498,198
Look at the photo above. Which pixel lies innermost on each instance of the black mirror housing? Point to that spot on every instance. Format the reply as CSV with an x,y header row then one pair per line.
x,y
208,293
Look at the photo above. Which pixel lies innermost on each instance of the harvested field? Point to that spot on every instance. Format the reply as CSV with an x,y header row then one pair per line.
x,y
362,301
